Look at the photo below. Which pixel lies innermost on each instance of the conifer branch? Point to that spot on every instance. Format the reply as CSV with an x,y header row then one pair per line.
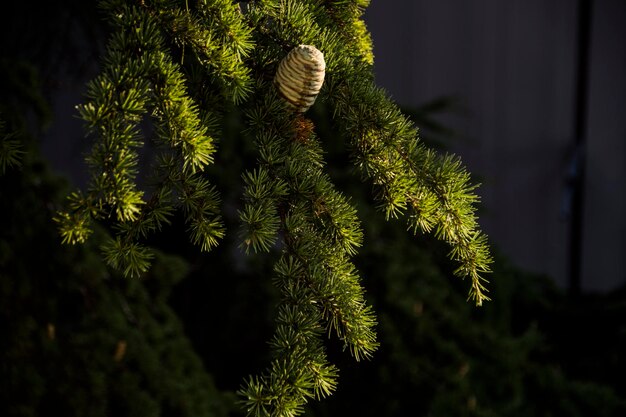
x,y
217,36
140,81
407,177
289,196
171,64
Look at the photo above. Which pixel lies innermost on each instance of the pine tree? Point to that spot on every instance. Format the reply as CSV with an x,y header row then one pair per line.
x,y
173,71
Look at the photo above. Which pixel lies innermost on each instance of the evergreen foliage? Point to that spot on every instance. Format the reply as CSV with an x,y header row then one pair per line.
x,y
228,53
78,339
439,357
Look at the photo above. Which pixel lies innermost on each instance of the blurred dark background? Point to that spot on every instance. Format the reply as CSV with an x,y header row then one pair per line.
x,y
531,94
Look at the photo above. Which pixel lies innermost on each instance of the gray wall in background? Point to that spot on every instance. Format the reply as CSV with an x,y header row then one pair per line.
x,y
512,63
605,225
